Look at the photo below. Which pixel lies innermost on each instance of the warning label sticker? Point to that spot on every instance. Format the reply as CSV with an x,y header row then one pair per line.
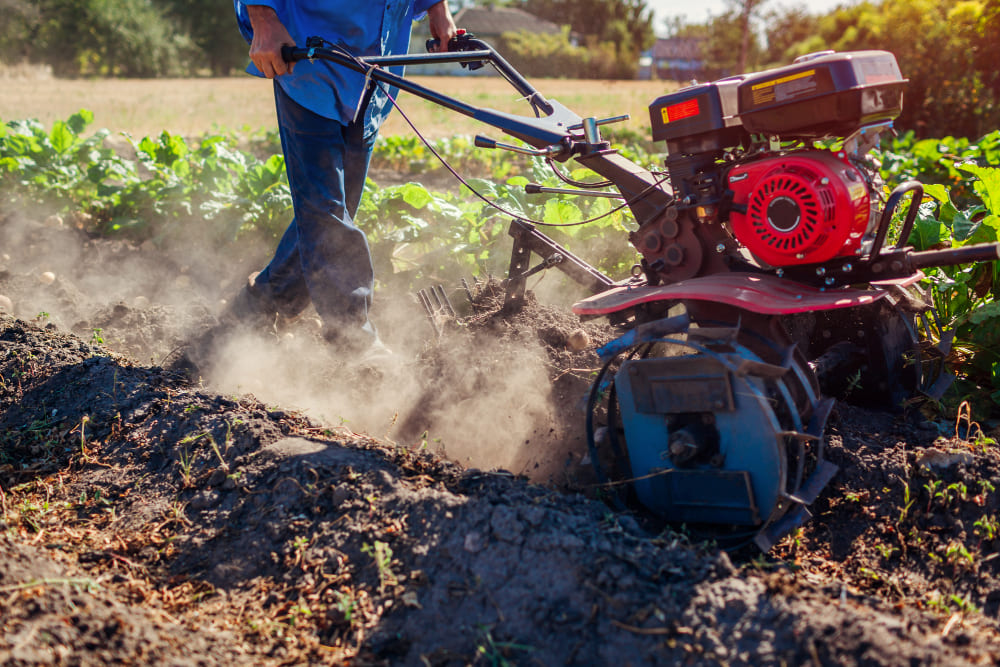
x,y
786,88
681,110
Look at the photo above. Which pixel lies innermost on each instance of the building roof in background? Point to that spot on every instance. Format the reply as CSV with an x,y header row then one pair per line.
x,y
677,48
498,20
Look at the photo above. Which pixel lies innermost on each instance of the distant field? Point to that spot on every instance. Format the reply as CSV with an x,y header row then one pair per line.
x,y
194,106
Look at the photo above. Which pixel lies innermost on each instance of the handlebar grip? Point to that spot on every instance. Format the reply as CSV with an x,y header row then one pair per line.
x,y
533,188
454,44
289,55
483,142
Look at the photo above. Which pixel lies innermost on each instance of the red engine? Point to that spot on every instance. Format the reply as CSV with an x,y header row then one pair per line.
x,y
741,152
800,208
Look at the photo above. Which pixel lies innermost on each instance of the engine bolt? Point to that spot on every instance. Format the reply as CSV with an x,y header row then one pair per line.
x,y
820,271
829,281
824,181
780,273
847,268
800,255
720,248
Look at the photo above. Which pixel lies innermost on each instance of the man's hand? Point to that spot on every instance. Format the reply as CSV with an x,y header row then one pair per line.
x,y
442,25
269,35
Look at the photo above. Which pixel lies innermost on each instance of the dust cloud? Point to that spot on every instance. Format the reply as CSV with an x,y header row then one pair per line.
x,y
468,396
479,399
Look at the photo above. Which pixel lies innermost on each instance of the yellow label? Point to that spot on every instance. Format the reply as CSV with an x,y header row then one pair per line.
x,y
785,79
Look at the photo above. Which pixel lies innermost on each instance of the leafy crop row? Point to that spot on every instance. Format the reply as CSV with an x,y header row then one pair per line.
x,y
160,186
961,207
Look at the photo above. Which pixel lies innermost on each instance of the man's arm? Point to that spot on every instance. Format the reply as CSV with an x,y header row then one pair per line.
x,y
441,23
269,35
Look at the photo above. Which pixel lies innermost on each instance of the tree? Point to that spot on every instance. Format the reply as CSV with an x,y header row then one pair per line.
x,y
624,24
537,55
104,37
747,10
987,47
16,30
785,32
212,27
947,52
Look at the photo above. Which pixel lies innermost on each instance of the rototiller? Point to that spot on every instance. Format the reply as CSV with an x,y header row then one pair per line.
x,y
766,285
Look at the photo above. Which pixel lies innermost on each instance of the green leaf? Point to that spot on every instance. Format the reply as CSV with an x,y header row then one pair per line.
x,y
415,195
962,227
986,312
79,121
987,186
927,232
276,164
938,192
146,145
928,149
561,212
61,138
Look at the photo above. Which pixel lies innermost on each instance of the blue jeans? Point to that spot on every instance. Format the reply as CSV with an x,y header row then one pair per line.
x,y
322,256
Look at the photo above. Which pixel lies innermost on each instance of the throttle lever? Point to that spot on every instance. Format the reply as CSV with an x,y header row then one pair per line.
x,y
462,41
549,151
537,189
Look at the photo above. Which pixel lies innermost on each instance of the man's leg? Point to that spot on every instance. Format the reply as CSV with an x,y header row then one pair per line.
x,y
322,256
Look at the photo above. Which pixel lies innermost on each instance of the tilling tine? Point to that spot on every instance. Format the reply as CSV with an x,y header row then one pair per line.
x,y
437,306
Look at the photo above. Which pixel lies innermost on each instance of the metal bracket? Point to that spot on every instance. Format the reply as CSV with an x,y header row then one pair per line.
x,y
529,240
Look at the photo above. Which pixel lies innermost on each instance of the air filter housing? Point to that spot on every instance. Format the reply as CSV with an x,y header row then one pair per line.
x,y
832,94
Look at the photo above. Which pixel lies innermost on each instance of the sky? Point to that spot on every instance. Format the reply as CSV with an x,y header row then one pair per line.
x,y
698,11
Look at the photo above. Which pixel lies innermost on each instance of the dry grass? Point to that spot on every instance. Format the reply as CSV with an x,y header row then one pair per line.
x,y
191,107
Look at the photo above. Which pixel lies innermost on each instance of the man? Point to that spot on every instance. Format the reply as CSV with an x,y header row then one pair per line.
x,y
328,118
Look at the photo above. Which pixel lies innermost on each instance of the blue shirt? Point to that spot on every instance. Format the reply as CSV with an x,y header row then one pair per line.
x,y
368,28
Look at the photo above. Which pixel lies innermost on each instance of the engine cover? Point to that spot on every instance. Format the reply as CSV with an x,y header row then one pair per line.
x,y
800,208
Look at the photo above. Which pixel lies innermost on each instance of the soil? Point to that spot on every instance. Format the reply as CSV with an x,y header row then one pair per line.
x,y
285,508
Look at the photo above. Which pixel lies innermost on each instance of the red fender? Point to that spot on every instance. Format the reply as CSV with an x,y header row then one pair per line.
x,y
756,292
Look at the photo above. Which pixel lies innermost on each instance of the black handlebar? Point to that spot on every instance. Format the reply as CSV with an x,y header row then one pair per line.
x,y
549,127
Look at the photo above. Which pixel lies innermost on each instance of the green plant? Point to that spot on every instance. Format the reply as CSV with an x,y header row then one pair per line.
x,y
885,550
952,493
963,604
956,551
346,604
907,503
987,527
184,461
494,653
931,487
381,553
